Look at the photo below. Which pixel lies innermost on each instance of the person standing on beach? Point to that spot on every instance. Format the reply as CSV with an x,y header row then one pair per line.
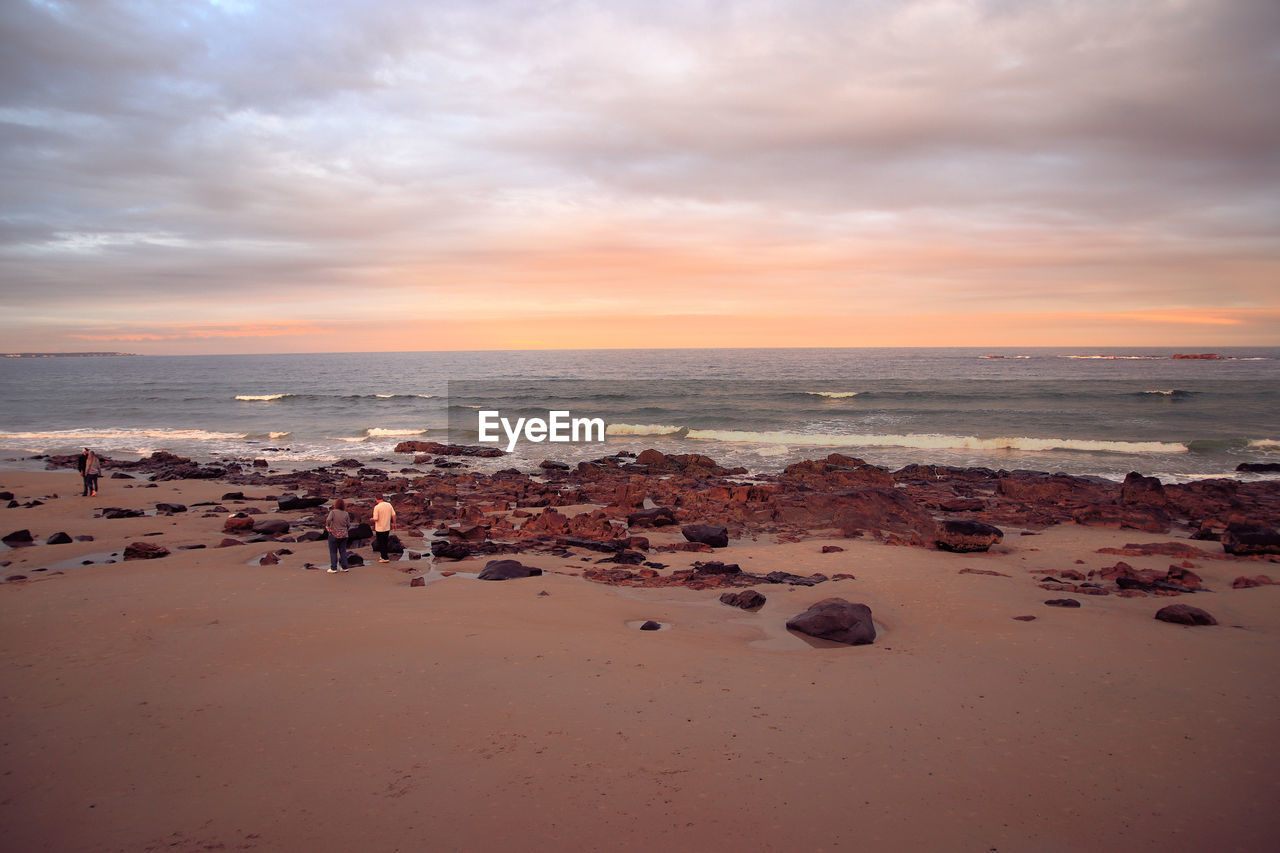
x,y
384,518
338,526
90,467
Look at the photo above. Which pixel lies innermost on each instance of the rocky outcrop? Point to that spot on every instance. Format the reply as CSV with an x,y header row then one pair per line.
x,y
1250,539
748,599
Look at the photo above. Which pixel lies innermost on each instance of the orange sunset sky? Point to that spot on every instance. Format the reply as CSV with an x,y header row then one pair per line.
x,y
221,177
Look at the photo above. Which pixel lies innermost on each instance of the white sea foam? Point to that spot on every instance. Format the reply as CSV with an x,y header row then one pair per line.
x,y
1265,443
278,434
385,396
260,397
376,432
76,436
834,395
933,441
642,429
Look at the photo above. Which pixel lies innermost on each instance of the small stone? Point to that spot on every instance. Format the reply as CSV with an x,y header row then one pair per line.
x,y
1025,618
1062,602
418,581
651,626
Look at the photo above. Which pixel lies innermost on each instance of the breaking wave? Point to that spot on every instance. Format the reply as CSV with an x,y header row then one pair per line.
x,y
644,429
250,398
939,442
833,395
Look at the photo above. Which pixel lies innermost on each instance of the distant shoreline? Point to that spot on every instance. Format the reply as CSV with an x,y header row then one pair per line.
x,y
68,354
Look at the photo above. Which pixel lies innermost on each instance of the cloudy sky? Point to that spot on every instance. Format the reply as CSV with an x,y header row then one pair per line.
x,y
324,175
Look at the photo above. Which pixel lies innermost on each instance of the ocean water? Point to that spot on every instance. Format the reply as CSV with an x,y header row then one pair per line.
x,y
1084,411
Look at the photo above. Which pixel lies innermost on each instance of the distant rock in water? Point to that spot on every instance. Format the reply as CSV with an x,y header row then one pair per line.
x,y
1200,355
1259,467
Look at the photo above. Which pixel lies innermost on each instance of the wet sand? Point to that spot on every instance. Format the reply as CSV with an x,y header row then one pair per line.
x,y
200,701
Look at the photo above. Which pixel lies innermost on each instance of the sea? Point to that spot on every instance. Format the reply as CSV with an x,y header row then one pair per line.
x,y
1085,411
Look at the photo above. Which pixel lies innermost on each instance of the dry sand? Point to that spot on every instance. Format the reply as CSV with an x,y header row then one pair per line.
x,y
200,701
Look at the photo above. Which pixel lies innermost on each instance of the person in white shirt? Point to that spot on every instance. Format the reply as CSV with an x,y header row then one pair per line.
x,y
384,519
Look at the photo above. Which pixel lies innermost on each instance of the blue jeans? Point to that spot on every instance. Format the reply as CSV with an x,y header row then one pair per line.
x,y
337,551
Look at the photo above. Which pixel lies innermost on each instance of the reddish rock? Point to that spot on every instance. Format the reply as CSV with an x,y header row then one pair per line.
x,y
1184,614
1243,582
238,523
1025,618
145,551
1148,518
1138,489
982,572
418,581
832,549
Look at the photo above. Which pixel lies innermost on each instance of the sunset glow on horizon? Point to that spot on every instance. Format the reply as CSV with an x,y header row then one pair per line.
x,y
206,177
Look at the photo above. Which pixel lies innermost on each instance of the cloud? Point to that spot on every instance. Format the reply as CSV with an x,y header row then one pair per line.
x,y
241,158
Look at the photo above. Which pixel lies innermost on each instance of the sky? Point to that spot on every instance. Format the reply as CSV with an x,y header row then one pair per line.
x,y
322,175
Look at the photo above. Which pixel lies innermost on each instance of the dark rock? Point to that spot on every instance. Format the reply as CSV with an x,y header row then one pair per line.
x,y
707,534
120,512
626,558
1184,614
966,536
748,599
359,532
651,626
145,551
286,503
831,549
233,496
58,539
837,620
715,567
659,516
354,559
610,547
18,537
1024,618
450,550
227,543
552,465
1250,539
502,570
271,527
170,509
268,560
1254,467
795,580
1062,602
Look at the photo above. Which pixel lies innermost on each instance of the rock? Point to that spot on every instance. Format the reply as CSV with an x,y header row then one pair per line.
x,y
1062,602
228,543
238,523
170,509
707,534
659,516
1138,489
837,620
1025,618
145,551
268,560
1212,356
626,558
18,538
286,503
1254,467
748,599
450,550
651,626
795,580
418,581
58,539
611,547
1250,539
715,567
1243,582
271,527
832,549
360,532
1184,614
965,536
233,496
120,512
502,570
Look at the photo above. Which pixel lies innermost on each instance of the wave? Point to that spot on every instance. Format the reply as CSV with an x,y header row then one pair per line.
x,y
1264,443
1118,357
833,395
377,432
76,436
645,429
1171,392
934,441
260,397
1004,356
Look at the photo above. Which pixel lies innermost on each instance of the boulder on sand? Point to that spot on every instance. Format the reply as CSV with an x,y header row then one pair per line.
x,y
837,620
707,534
503,570
965,536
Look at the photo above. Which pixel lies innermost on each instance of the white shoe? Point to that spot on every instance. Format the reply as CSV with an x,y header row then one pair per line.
x,y
384,561
332,571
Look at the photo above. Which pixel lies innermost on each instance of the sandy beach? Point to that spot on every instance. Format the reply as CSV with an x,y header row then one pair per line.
x,y
202,701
